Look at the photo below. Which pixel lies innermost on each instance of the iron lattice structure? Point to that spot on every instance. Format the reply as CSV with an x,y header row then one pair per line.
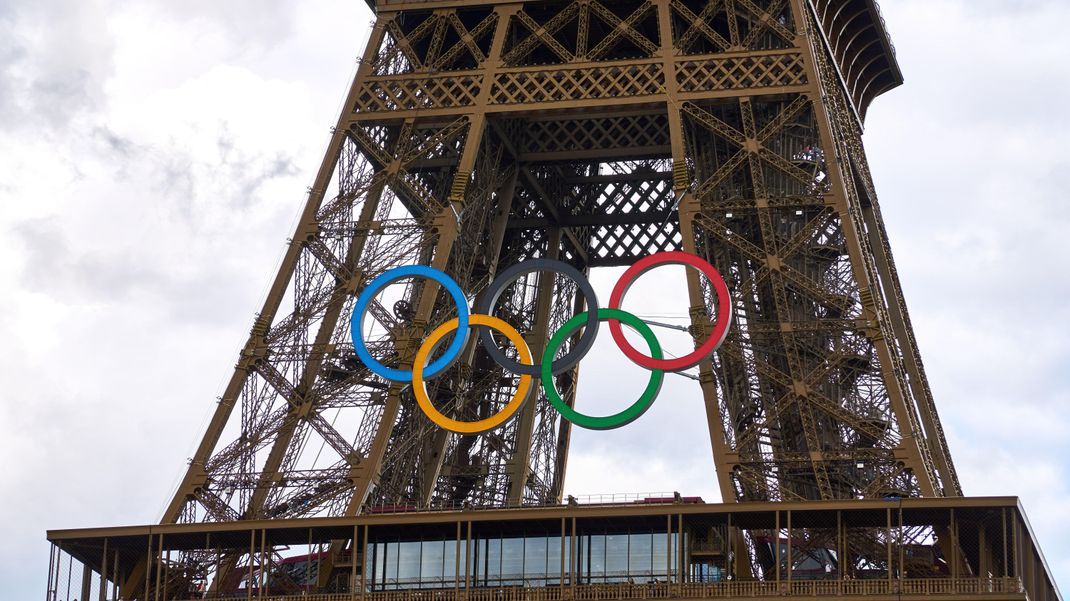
x,y
480,134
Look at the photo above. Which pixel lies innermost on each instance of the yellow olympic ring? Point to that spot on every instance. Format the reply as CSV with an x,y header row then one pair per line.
x,y
483,425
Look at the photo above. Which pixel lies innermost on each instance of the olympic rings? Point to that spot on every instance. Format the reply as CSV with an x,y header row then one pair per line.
x,y
514,273
548,367
483,425
608,422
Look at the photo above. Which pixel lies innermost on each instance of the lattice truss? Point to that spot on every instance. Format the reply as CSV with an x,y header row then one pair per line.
x,y
817,388
801,392
558,52
702,27
858,548
478,137
582,212
885,299
436,41
298,385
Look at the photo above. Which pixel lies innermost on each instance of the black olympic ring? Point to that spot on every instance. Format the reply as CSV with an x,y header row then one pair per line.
x,y
490,298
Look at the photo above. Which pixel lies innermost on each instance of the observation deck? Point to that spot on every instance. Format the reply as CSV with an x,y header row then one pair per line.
x,y
855,35
612,549
853,32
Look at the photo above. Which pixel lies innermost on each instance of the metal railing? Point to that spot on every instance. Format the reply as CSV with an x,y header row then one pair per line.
x,y
884,26
596,499
716,590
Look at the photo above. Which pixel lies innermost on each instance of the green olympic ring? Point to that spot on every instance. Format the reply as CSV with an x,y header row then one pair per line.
x,y
633,411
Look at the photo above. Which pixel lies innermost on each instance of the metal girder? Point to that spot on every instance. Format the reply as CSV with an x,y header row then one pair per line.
x,y
479,134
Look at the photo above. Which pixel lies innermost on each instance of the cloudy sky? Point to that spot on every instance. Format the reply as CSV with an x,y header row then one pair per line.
x,y
154,156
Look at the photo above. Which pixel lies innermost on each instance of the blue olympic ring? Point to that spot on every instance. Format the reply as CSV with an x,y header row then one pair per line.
x,y
356,324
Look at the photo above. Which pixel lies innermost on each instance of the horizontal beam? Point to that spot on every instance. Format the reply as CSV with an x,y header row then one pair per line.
x,y
554,512
617,178
598,219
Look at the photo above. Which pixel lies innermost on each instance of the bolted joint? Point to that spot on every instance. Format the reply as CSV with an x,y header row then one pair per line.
x,y
681,179
309,232
459,186
865,295
260,327
353,283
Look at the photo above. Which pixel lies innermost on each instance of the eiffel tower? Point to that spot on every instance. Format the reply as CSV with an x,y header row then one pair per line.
x,y
480,134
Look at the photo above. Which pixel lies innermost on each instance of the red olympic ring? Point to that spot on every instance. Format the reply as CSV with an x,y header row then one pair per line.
x,y
720,328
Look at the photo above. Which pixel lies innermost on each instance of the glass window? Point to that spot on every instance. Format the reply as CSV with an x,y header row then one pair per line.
x,y
641,557
553,559
432,554
390,565
596,558
449,563
659,556
617,557
674,547
535,557
468,551
513,561
489,562
635,557
568,557
409,564
372,560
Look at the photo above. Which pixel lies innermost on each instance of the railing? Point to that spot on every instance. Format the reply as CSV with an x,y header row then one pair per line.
x,y
714,590
884,26
598,499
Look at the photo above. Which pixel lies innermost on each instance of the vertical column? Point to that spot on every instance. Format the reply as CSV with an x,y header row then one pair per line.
x,y
536,339
87,581
103,592
457,563
841,547
902,552
954,552
265,567
983,552
729,556
888,515
668,550
1030,568
861,263
159,566
563,537
468,555
252,557
688,208
789,562
365,543
51,562
1003,539
776,544
574,562
148,564
1016,538
681,550
352,567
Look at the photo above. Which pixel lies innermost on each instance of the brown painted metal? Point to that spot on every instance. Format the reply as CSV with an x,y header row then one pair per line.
x,y
849,526
480,133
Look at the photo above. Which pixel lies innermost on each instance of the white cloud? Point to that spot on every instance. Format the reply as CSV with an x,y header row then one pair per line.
x,y
151,166
153,157
968,158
